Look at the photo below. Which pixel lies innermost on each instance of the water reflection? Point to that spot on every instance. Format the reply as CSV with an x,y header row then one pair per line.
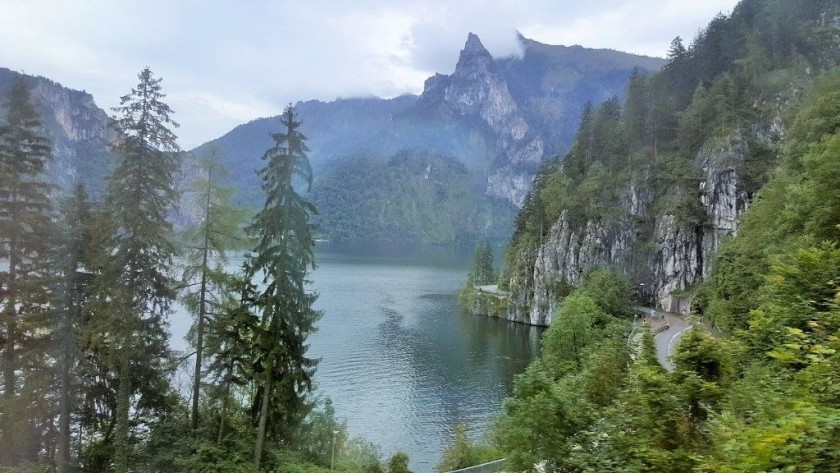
x,y
399,361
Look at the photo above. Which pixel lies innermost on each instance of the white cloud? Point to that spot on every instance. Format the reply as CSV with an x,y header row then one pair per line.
x,y
226,62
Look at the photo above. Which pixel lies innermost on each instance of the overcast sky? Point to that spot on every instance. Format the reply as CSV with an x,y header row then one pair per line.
x,y
228,62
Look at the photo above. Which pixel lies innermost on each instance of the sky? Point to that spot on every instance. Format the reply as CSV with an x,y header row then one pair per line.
x,y
225,63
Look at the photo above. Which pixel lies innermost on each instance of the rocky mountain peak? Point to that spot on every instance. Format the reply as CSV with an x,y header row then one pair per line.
x,y
473,56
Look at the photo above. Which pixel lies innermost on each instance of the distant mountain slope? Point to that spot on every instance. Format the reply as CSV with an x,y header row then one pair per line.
x,y
416,195
501,118
77,128
333,129
551,81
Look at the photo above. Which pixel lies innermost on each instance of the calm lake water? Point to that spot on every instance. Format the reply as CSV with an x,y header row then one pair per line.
x,y
401,364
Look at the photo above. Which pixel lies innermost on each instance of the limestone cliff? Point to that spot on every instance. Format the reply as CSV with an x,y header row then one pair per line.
x,y
77,128
663,255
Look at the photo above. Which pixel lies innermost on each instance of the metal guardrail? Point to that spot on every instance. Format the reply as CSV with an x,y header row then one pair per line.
x,y
496,466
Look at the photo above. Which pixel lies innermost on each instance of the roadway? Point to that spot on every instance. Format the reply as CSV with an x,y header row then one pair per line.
x,y
666,340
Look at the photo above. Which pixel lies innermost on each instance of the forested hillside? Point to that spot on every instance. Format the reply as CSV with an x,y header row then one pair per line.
x,y
653,186
416,196
760,393
497,119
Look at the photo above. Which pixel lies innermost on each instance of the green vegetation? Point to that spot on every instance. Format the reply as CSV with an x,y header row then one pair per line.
x,y
483,271
763,395
25,230
415,196
464,453
731,88
473,299
86,296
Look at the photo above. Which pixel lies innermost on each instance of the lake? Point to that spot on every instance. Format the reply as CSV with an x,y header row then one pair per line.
x,y
401,364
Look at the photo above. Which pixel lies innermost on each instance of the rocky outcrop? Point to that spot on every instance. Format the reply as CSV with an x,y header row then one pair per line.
x,y
523,109
569,251
78,129
565,256
664,255
721,196
477,96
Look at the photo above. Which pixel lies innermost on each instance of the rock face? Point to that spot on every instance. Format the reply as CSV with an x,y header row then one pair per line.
x,y
477,96
522,109
78,130
676,256
501,117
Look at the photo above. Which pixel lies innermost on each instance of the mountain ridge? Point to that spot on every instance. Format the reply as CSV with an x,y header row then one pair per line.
x,y
500,117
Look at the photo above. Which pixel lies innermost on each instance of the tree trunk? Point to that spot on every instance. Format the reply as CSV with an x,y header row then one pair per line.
x,y
63,461
202,309
263,421
221,435
8,448
121,442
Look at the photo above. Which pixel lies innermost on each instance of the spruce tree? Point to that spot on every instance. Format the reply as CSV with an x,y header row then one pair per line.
x,y
228,345
135,285
483,270
281,259
25,232
216,234
73,257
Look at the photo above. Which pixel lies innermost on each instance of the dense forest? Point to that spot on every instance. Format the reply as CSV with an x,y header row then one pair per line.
x,y
90,383
416,196
89,380
739,83
759,390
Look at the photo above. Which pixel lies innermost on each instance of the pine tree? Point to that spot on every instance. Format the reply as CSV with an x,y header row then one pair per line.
x,y
135,284
73,257
229,336
676,52
483,271
215,235
25,232
282,258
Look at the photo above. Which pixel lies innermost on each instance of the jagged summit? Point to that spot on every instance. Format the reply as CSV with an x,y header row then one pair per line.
x,y
500,117
474,55
473,45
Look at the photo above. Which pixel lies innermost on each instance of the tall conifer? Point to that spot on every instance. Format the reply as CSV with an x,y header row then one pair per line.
x,y
73,258
210,241
136,282
282,258
25,232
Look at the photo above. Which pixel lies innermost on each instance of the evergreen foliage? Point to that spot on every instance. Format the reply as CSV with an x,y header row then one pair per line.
x,y
74,257
88,378
135,286
483,271
208,245
281,261
26,230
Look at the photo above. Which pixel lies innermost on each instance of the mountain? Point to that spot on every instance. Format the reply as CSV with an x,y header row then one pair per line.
x,y
500,118
657,187
524,109
78,130
333,129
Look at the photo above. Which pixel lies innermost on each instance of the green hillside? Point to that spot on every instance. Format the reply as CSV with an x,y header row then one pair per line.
x,y
416,196
759,393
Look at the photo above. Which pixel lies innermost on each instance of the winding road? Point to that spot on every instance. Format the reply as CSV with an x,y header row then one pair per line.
x,y
666,341
667,329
